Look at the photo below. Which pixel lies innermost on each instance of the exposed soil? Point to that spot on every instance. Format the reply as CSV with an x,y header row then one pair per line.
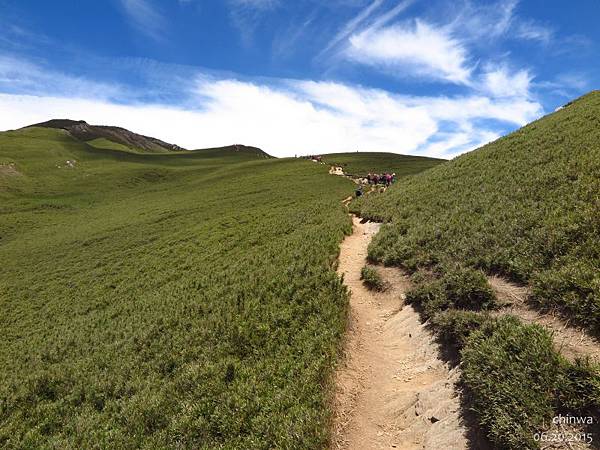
x,y
347,200
9,170
569,340
393,390
336,170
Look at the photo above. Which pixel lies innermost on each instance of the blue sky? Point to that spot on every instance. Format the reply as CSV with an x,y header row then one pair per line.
x,y
435,77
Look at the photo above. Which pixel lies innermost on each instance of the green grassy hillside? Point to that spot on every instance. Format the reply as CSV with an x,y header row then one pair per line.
x,y
165,301
109,136
237,151
526,206
108,144
360,164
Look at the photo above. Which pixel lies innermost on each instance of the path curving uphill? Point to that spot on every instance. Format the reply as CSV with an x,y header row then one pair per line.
x,y
392,389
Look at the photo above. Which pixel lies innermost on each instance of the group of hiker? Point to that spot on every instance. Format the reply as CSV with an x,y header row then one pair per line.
x,y
315,158
385,178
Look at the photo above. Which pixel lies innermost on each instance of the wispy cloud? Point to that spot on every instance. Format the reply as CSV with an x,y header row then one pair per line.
x,y
480,22
567,85
528,29
352,25
498,20
145,18
444,47
286,39
15,36
21,76
411,49
500,82
246,16
362,20
259,4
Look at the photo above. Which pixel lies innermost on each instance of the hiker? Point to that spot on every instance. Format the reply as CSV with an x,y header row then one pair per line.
x,y
375,179
370,178
359,191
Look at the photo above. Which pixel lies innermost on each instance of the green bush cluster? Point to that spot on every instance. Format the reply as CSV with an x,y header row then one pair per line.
x,y
166,301
512,374
575,287
455,326
461,288
580,388
372,279
514,379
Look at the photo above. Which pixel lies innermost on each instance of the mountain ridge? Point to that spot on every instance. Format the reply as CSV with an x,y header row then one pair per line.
x,y
95,134
85,132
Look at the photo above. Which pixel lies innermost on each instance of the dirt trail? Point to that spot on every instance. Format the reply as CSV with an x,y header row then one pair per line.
x,y
336,170
9,170
572,342
392,388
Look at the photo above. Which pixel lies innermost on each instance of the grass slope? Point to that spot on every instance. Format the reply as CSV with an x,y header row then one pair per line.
x,y
103,143
85,132
238,151
525,206
165,301
360,164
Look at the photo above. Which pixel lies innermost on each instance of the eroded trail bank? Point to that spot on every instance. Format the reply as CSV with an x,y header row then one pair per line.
x,y
572,342
392,388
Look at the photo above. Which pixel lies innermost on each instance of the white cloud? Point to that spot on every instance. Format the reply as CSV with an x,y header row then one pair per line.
x,y
247,15
145,18
435,53
353,24
488,21
483,22
499,82
287,117
17,75
260,4
568,85
364,18
449,144
412,49
461,110
533,31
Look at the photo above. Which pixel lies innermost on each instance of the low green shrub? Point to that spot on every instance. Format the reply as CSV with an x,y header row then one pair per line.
x,y
574,288
516,381
372,279
428,298
468,289
512,374
455,327
579,392
457,289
